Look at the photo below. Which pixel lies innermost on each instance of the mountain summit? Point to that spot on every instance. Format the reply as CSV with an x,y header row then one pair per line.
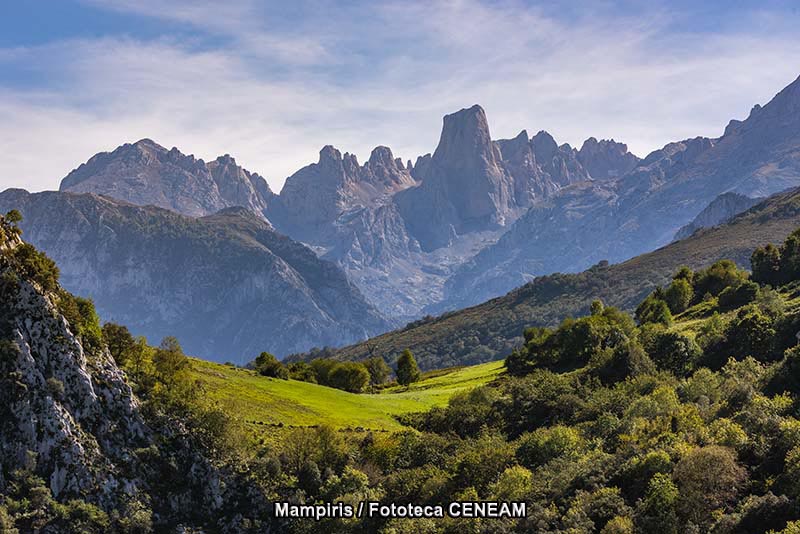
x,y
146,173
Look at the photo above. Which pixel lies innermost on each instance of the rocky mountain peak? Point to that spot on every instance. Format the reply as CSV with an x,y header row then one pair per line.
x,y
606,158
145,173
465,137
544,146
789,98
382,155
329,154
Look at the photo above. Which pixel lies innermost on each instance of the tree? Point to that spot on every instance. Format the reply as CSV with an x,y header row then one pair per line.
x,y
378,370
309,478
545,444
322,368
765,263
736,296
654,310
14,217
349,376
657,512
169,361
120,342
708,478
674,352
268,365
303,372
717,277
407,370
596,307
37,266
679,295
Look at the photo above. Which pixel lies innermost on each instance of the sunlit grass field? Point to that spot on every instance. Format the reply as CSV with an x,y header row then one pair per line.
x,y
259,400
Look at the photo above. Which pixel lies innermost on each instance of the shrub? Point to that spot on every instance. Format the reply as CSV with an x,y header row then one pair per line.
x,y
349,376
545,444
736,296
653,310
36,266
56,388
674,352
268,365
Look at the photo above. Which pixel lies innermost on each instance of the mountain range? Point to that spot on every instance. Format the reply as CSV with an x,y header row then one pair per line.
x,y
469,222
491,330
228,285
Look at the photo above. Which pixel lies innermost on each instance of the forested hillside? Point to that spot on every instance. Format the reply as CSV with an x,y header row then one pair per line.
x,y
491,330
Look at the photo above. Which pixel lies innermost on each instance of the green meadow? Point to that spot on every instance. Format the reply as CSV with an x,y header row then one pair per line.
x,y
259,400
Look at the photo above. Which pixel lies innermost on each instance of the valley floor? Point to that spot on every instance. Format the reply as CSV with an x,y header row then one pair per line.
x,y
271,402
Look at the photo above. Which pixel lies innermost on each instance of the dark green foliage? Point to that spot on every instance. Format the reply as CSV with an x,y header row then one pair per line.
x,y
36,266
378,370
302,371
751,334
573,344
713,280
654,310
322,367
349,376
777,265
13,217
674,352
82,318
679,295
735,296
268,365
121,344
467,414
309,478
766,265
626,360
407,370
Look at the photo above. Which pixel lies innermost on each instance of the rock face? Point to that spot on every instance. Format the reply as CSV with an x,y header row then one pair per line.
x,y
606,158
644,208
315,196
478,217
399,231
146,173
721,210
464,186
68,414
227,285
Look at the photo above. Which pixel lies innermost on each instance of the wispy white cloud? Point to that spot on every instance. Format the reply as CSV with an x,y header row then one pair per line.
x,y
271,86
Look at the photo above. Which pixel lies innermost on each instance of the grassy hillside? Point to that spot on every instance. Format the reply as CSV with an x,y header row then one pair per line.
x,y
490,330
260,400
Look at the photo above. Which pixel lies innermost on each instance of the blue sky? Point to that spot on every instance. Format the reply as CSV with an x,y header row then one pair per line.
x,y
272,82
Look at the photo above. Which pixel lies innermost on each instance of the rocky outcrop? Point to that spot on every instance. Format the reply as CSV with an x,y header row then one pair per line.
x,y
464,186
721,210
616,219
316,195
227,285
606,159
69,416
146,173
